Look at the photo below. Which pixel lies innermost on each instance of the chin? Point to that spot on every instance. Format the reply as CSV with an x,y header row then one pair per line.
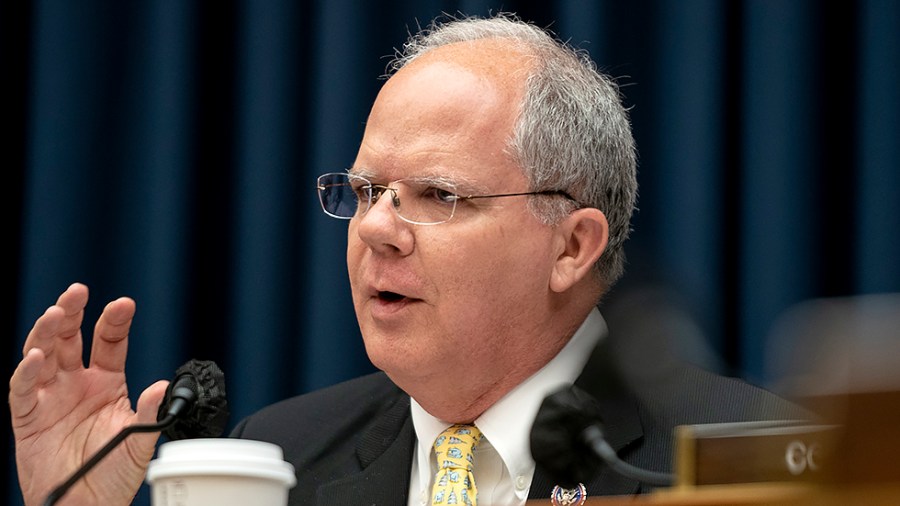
x,y
396,358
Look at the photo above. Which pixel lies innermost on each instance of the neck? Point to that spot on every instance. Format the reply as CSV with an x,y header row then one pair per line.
x,y
525,351
471,398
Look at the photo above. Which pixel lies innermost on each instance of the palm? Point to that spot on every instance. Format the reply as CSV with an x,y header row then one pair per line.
x,y
63,413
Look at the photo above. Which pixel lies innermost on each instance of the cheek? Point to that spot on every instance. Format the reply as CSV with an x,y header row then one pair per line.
x,y
495,269
356,252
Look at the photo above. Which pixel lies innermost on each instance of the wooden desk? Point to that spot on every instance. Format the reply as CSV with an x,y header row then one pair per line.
x,y
713,495
757,494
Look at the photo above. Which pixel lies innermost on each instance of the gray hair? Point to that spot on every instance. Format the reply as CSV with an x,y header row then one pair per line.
x,y
572,133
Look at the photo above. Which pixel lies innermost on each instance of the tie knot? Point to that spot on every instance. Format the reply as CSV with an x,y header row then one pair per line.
x,y
454,447
455,481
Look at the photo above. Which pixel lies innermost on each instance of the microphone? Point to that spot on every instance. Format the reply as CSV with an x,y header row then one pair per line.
x,y
194,406
196,399
567,440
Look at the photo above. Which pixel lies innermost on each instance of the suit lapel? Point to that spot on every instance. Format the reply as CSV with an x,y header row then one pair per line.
x,y
385,456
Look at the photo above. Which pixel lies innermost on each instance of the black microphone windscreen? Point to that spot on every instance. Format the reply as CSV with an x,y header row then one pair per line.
x,y
555,437
209,415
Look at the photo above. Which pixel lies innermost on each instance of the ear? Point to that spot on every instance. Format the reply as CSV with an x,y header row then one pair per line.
x,y
583,236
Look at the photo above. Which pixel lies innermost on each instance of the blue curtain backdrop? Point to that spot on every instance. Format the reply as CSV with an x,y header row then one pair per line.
x,y
167,150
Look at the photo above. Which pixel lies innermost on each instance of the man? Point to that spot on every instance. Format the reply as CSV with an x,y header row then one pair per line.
x,y
488,206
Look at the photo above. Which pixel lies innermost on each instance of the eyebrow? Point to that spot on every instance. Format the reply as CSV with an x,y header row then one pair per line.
x,y
444,182
454,184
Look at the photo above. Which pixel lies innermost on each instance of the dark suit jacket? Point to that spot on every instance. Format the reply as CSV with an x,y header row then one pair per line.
x,y
352,444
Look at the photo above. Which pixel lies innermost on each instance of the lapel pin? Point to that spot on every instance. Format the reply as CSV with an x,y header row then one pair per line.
x,y
568,496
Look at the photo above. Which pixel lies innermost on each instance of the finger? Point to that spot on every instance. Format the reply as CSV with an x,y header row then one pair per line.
x,y
74,298
23,385
43,330
68,337
110,345
43,337
57,331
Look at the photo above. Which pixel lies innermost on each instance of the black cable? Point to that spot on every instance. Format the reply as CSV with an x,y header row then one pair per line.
x,y
593,436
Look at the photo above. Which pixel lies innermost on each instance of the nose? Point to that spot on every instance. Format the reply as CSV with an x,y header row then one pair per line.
x,y
382,229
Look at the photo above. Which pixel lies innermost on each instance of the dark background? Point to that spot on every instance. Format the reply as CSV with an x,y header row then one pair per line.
x,y
167,150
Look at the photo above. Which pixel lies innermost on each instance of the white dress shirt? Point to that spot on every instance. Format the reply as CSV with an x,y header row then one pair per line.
x,y
503,463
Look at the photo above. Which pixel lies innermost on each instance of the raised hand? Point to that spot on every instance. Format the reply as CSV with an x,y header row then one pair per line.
x,y
63,412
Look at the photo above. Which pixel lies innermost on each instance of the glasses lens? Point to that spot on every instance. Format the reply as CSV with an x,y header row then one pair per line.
x,y
337,195
424,204
344,196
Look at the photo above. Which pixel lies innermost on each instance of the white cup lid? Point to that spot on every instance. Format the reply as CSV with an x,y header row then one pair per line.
x,y
221,457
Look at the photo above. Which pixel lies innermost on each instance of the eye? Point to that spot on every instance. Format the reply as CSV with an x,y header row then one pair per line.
x,y
440,195
361,190
361,187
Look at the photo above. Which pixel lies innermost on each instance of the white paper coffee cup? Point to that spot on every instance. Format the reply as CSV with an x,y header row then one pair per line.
x,y
220,472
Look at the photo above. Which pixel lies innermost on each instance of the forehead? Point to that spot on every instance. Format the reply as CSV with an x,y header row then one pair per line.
x,y
449,113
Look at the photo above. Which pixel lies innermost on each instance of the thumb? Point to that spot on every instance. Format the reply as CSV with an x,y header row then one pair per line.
x,y
143,445
150,400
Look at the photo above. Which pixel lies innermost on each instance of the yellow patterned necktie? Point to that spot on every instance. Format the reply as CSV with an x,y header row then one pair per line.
x,y
454,482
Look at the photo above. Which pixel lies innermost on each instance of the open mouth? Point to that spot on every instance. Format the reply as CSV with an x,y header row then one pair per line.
x,y
390,296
